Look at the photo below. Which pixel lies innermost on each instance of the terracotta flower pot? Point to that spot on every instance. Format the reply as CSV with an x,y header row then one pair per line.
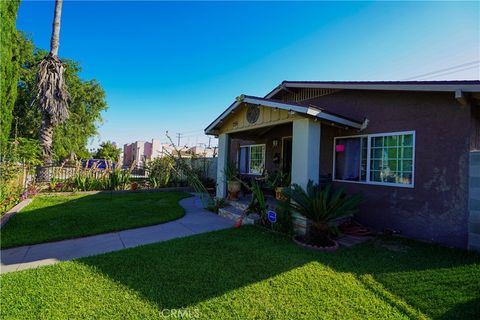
x,y
279,195
233,188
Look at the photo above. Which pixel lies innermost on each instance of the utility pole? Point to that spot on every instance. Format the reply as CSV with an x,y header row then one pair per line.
x,y
209,139
179,135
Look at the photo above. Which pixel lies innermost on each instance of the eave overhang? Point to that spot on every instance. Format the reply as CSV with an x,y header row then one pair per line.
x,y
308,110
435,86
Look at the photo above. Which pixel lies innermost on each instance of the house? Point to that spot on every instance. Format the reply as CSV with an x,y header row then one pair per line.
x,y
411,147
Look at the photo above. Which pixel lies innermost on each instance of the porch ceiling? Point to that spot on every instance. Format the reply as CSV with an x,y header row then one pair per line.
x,y
307,110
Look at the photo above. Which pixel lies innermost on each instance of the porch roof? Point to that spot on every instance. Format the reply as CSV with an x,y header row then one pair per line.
x,y
301,108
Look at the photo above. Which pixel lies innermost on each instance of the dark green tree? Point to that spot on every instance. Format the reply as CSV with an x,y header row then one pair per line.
x,y
108,150
85,107
9,65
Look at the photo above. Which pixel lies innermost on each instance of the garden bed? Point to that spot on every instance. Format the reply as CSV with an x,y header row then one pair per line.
x,y
57,217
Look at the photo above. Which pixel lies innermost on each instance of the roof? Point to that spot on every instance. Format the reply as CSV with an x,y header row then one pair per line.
x,y
457,86
444,85
303,108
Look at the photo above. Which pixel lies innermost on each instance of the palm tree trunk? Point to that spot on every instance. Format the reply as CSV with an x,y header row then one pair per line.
x,y
55,40
52,95
46,139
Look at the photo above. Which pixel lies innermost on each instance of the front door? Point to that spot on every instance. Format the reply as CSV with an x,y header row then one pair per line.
x,y
287,154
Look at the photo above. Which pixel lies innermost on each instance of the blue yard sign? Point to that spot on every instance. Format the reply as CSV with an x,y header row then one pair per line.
x,y
272,216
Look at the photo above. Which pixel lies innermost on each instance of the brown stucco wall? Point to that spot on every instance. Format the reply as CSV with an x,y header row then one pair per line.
x,y
436,209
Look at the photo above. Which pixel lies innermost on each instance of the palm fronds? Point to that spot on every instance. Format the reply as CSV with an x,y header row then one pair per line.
x,y
321,206
52,96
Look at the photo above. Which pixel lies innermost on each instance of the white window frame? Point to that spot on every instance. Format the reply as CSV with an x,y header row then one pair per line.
x,y
249,146
369,138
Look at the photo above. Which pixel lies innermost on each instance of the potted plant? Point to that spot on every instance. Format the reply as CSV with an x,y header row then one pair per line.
x,y
321,207
233,182
278,181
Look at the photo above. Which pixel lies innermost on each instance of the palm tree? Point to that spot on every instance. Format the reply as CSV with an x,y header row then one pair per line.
x,y
52,96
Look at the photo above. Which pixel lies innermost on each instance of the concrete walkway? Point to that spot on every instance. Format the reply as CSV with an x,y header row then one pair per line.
x,y
196,220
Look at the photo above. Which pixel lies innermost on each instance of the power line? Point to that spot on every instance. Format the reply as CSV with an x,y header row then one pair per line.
x,y
193,131
455,71
471,63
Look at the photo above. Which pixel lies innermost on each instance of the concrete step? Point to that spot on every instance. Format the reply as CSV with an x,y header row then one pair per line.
x,y
240,205
234,213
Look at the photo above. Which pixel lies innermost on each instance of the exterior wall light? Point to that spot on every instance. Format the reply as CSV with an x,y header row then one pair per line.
x,y
275,143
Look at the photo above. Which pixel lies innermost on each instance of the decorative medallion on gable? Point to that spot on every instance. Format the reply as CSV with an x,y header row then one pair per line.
x,y
253,112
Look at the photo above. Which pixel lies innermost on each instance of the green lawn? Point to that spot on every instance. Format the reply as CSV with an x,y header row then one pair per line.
x,y
249,273
50,218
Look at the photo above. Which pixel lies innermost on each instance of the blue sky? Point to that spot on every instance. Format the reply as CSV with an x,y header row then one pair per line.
x,y
176,65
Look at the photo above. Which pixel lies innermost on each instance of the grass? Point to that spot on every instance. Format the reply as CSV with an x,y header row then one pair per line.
x,y
250,273
50,218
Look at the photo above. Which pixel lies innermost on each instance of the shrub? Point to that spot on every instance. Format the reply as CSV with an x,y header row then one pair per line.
x,y
216,204
93,178
284,222
161,172
230,171
11,185
278,179
321,206
17,160
258,204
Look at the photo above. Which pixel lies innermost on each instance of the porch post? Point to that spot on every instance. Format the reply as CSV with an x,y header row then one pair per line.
x,y
223,149
305,151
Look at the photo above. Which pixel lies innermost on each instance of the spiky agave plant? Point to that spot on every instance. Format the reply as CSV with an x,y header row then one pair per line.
x,y
321,206
52,96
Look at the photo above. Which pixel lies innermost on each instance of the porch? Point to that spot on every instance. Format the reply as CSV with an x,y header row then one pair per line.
x,y
263,136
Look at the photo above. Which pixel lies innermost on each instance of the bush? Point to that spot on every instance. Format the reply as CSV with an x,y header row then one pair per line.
x,y
90,179
18,158
161,172
284,222
322,206
11,185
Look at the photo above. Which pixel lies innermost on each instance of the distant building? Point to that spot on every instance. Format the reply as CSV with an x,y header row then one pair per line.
x,y
141,151
203,152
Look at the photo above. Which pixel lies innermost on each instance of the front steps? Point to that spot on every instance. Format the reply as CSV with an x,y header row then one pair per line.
x,y
234,211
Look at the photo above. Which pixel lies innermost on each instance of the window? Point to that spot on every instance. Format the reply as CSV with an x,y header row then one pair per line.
x,y
251,159
386,159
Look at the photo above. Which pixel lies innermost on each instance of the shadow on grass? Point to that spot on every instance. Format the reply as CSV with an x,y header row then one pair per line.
x,y
187,271
53,218
415,276
466,310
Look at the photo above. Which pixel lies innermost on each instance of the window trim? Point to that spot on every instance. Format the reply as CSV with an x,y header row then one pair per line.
x,y
249,159
369,138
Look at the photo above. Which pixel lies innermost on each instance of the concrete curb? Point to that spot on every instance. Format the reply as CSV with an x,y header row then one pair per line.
x,y
4,219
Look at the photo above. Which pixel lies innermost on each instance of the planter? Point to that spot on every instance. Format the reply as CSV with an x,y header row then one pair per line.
x,y
233,188
332,248
279,195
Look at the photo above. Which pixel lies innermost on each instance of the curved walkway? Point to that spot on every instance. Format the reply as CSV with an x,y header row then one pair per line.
x,y
196,220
